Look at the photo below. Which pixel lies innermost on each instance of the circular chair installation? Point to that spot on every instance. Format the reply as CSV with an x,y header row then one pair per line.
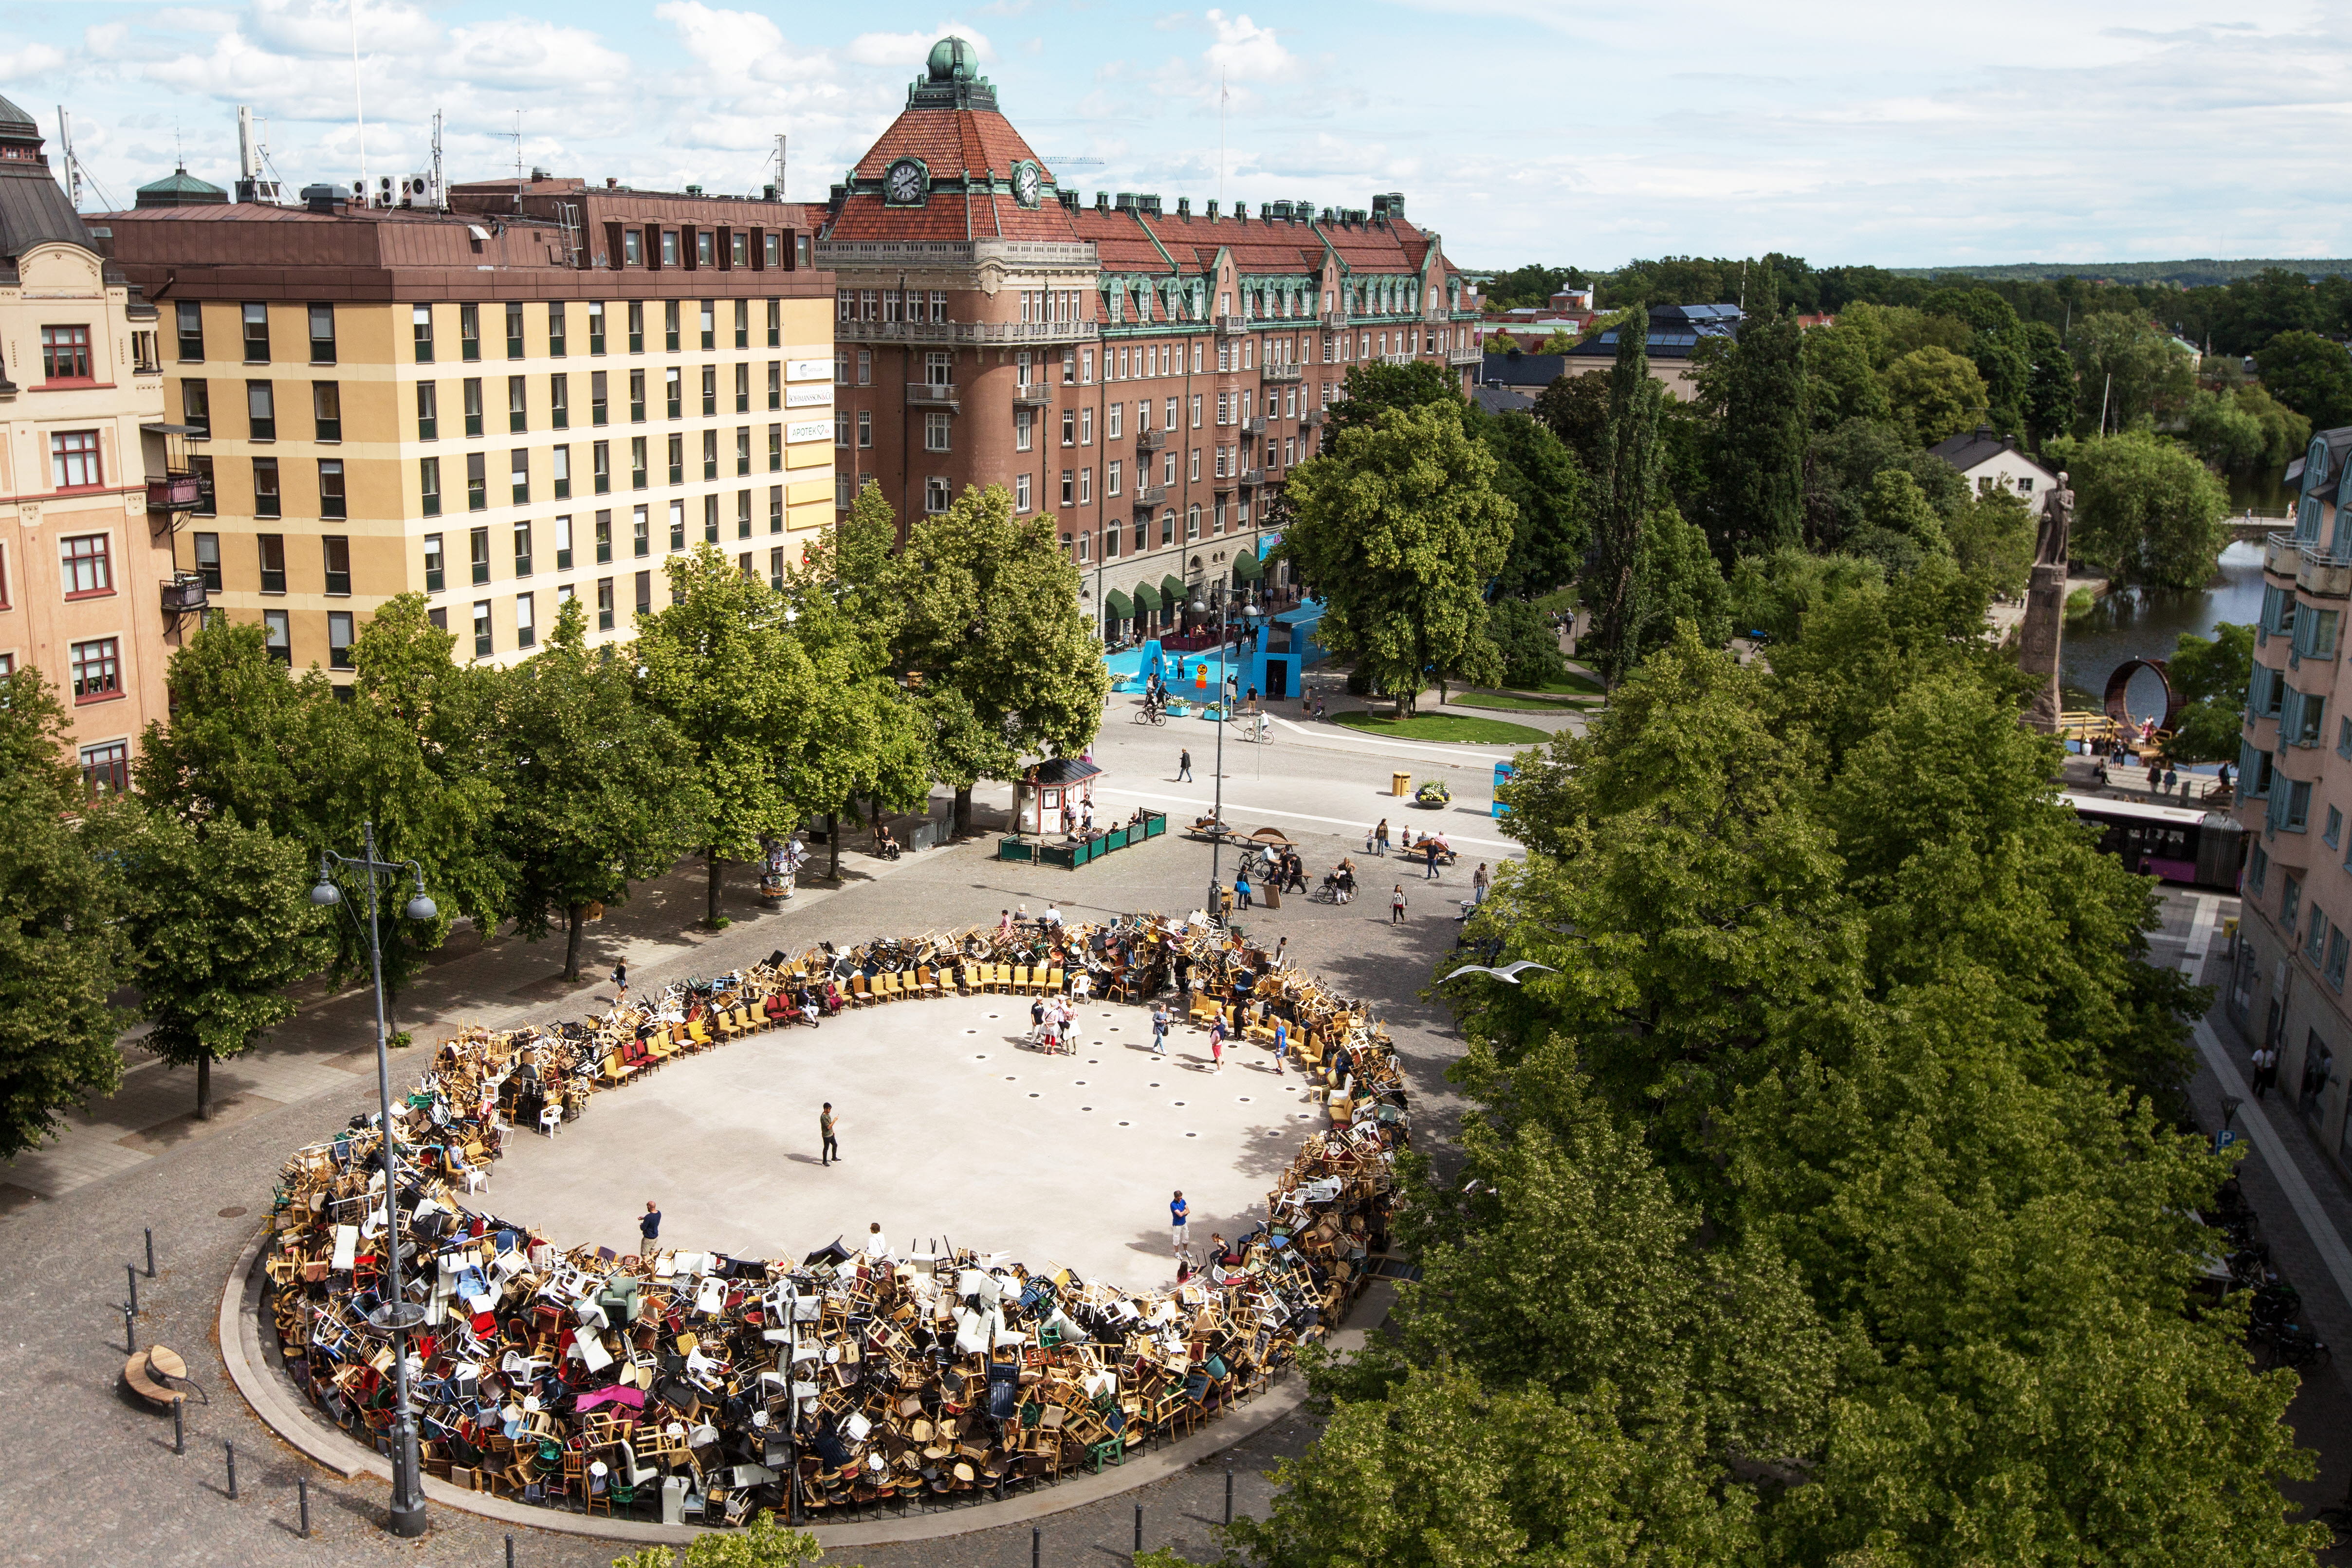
x,y
698,1386
2118,692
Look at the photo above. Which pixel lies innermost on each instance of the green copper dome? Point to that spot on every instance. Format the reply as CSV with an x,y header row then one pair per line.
x,y
951,60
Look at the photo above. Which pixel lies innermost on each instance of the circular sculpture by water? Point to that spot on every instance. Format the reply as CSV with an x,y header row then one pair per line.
x,y
2118,692
701,1385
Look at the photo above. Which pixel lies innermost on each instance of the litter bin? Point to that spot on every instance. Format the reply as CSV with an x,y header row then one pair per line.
x,y
1399,783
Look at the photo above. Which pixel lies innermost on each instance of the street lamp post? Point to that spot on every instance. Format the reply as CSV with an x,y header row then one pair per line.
x,y
1205,598
397,1315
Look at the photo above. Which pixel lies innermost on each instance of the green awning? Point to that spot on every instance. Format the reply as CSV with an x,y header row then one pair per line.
x,y
1171,588
1247,568
1147,599
1119,605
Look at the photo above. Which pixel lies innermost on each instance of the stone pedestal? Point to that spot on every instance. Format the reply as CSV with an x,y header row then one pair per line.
x,y
2038,644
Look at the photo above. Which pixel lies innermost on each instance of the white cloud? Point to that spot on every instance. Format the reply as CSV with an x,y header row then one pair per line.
x,y
907,51
33,59
1245,51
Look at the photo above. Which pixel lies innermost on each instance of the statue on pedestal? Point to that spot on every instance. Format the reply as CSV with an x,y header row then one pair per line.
x,y
2045,607
2057,525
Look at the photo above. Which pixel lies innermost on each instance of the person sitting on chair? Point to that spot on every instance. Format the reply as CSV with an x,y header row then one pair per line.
x,y
888,846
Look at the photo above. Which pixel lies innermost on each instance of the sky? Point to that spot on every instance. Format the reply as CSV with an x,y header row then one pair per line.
x,y
1521,130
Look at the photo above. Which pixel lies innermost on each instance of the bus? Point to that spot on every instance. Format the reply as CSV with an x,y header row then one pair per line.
x,y
2175,842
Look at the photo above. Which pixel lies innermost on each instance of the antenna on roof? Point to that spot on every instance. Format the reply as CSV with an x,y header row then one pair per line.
x,y
359,102
73,164
440,192
518,136
780,167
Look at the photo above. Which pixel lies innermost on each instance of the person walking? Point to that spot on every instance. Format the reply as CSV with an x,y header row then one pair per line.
x,y
648,1226
1184,765
1396,906
1179,1229
1217,1045
1281,1045
1478,884
621,980
825,1126
1380,838
1160,1028
1242,887
1184,981
1429,847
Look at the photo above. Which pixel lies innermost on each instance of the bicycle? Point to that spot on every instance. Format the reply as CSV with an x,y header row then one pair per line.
x,y
1152,713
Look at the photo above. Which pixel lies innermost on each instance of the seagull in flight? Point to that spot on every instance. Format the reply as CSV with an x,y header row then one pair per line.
x,y
1509,973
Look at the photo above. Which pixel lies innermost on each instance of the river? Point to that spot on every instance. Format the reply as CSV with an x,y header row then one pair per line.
x,y
2147,623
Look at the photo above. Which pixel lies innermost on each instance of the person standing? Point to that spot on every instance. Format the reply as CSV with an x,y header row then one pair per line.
x,y
1281,1045
1429,847
1242,887
1396,906
621,980
1478,883
648,1226
1184,981
1217,1045
1160,1028
1179,1229
1184,765
825,1126
878,1246
1380,838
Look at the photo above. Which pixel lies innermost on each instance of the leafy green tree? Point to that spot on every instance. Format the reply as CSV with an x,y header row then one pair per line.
x,y
2126,369
1575,407
997,622
1375,389
2243,430
2048,402
763,1543
720,664
1755,396
1402,528
244,732
2211,674
1526,645
221,927
2147,510
1900,528
1535,471
1773,594
1996,346
1994,534
1629,462
1843,466
1559,342
63,952
595,798
1841,384
2310,374
1934,393
1682,585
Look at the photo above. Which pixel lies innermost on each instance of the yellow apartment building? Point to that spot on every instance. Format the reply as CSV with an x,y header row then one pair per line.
x,y
535,395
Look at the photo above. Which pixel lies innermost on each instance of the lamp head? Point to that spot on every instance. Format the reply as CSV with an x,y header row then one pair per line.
x,y
422,909
326,895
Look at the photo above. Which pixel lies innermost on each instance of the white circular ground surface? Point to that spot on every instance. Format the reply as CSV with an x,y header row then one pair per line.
x,y
951,1128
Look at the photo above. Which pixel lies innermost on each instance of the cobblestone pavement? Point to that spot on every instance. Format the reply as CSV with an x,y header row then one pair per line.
x,y
91,1475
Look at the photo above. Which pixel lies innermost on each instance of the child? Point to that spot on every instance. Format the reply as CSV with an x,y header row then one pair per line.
x,y
1217,1045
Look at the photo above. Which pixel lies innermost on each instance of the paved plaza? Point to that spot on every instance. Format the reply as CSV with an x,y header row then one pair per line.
x,y
954,1129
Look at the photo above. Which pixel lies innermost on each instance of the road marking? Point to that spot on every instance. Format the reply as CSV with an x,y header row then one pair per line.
x,y
2201,934
2299,1196
1354,826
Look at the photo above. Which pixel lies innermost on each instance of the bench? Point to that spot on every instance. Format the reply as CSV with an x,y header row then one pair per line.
x,y
150,1375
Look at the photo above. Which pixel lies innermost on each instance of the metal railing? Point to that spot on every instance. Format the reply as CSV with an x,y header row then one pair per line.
x,y
932,393
1150,495
1037,395
1471,356
966,331
1151,440
1232,326
1283,370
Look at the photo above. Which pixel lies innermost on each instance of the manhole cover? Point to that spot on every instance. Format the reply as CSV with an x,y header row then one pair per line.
x,y
1127,1124
232,1212
1192,1134
1242,1099
1032,1094
1175,1103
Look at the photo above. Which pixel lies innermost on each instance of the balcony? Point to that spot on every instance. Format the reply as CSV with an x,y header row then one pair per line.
x,y
1407,358
1151,440
1254,425
1253,476
1150,495
174,492
1231,326
1313,418
966,331
1037,395
1470,355
1284,370
184,593
931,395
1334,320
2320,573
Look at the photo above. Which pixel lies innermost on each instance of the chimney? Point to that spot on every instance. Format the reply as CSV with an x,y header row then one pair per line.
x,y
611,183
1212,212
1184,206
1102,201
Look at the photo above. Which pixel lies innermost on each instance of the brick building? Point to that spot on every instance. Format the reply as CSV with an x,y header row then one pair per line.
x,y
536,395
86,594
1144,377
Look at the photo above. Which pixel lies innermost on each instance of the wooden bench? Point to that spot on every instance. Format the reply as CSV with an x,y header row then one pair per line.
x,y
150,1373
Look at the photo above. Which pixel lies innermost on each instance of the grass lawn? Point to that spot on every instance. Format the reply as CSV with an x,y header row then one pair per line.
x,y
1446,726
1574,681
1513,700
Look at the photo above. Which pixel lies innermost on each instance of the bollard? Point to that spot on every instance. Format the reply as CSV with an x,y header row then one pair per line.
x,y
130,1334
130,1272
510,1552
1139,1527
230,1449
302,1495
150,1252
179,1428
1229,1497
1037,1544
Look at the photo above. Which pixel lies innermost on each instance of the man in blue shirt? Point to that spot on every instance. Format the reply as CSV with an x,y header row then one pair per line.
x,y
649,1224
1177,1213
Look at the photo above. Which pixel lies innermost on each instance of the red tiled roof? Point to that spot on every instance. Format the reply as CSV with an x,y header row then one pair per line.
x,y
949,141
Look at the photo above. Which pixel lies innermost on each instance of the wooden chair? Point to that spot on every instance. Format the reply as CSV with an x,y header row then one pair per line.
x,y
1052,985
1020,983
859,995
926,983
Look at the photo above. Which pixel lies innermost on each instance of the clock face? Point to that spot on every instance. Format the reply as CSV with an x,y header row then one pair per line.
x,y
904,181
1026,184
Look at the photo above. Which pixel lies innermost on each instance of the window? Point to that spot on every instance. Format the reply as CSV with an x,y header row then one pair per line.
x,y
322,334
775,307
332,500
428,411
65,353
603,604
742,308
704,252
1111,536
208,565
1196,411
710,520
276,631
600,462
327,410
637,469
2297,795
864,367
2258,869
742,449
436,579
776,569
481,629
743,388
514,329
558,329
190,316
641,531
677,525
97,670
776,508
522,550
339,639
106,767
1070,427
1024,422
669,315
776,449
673,392
477,482
559,402
742,514
710,454
1086,487
1021,492
1111,421
2316,943
1195,472
637,397
518,405
633,248
2335,831
478,553
866,428
1069,486
709,389
776,382
935,495
1086,426
526,620
471,395
645,586
604,537
257,333
1192,523
519,474
85,567
429,485
595,326
636,326
935,432
559,463
196,406
1110,479
267,501
469,332
598,412
261,410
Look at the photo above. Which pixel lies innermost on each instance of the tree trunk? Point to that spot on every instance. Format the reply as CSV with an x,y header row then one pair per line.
x,y
876,823
717,871
833,842
572,944
205,1087
963,811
